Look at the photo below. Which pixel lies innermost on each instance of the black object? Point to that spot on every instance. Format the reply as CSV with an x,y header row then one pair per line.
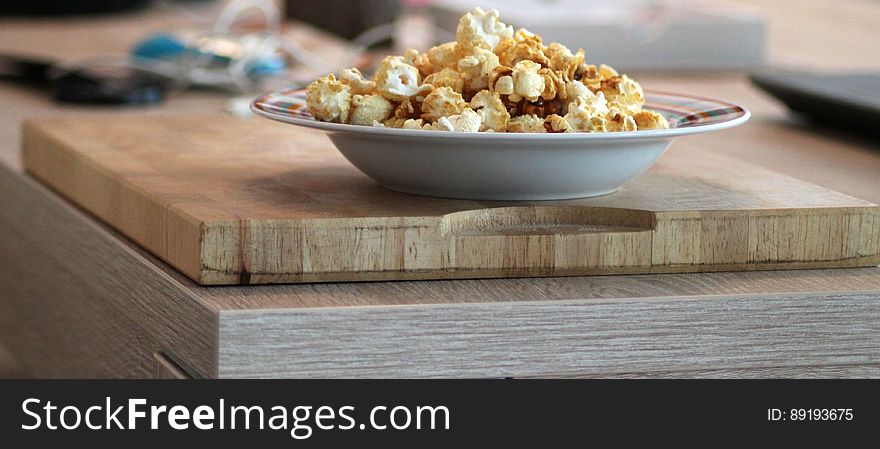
x,y
345,18
69,7
97,84
849,101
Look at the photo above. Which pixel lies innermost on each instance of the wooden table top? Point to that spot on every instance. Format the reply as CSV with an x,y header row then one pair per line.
x,y
715,321
773,139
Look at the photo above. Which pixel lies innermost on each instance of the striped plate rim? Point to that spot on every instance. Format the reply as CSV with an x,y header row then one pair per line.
x,y
682,111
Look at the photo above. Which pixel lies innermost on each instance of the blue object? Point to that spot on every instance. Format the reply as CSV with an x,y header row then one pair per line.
x,y
167,47
267,66
160,46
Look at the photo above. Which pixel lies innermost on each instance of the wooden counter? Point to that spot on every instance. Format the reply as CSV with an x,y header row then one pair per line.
x,y
80,300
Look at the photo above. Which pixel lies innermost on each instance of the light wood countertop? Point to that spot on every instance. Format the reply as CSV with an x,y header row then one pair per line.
x,y
83,301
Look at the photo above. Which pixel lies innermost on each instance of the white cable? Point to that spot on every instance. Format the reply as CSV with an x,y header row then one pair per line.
x,y
234,9
195,67
363,41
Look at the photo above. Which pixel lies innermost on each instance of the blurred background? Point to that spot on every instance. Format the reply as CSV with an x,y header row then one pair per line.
x,y
155,56
266,42
215,55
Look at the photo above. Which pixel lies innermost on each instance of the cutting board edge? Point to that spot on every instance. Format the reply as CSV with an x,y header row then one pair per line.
x,y
56,175
763,230
198,258
435,275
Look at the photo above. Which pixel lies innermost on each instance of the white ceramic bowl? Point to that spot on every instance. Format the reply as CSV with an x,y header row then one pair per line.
x,y
508,166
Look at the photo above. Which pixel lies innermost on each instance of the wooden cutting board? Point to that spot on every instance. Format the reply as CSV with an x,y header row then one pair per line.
x,y
230,201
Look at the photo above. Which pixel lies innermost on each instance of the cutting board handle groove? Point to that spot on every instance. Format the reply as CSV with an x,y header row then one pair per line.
x,y
546,220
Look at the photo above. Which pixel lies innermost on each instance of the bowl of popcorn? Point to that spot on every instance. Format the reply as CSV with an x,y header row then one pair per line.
x,y
497,114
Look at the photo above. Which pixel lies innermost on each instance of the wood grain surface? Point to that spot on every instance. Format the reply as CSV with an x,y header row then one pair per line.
x,y
247,202
9,367
587,337
77,303
841,371
101,307
81,300
166,368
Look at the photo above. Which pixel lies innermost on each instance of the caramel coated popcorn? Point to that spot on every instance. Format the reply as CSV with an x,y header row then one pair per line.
x,y
397,81
369,109
481,29
491,109
490,79
442,102
329,100
355,80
